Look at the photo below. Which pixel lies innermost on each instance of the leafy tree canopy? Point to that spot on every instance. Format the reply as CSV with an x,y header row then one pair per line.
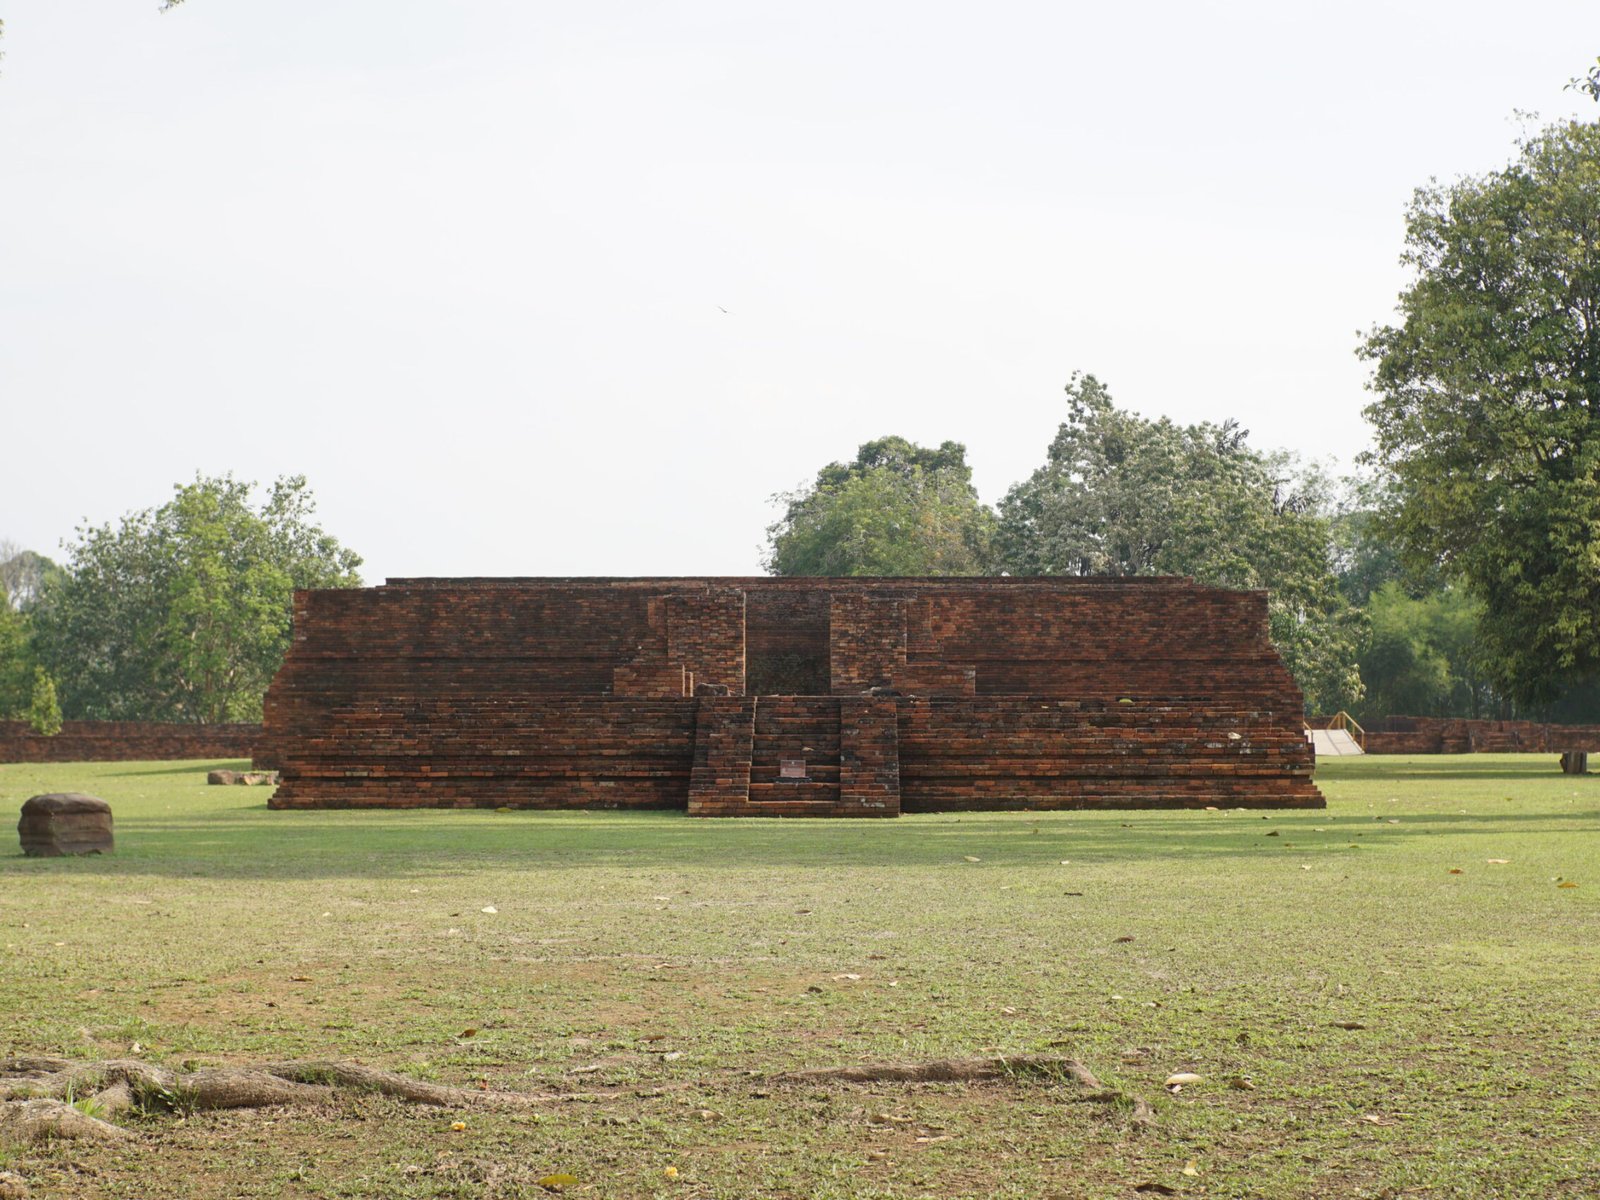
x,y
1122,495
896,509
16,664
1589,83
23,575
1488,411
182,612
1419,656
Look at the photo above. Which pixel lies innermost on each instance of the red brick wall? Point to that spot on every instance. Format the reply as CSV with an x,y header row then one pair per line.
x,y
1034,752
1452,735
125,741
867,640
1000,693
487,752
786,642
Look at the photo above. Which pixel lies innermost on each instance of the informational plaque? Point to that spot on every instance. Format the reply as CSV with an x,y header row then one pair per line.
x,y
791,768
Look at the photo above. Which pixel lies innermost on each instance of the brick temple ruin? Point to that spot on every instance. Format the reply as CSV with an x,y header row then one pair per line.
x,y
786,697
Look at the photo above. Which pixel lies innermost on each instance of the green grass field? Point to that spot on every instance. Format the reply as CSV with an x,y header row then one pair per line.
x,y
671,963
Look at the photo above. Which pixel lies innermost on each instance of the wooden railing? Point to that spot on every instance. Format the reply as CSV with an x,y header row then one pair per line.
x,y
1343,720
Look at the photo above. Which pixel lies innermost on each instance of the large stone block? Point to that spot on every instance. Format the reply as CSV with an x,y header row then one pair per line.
x,y
65,823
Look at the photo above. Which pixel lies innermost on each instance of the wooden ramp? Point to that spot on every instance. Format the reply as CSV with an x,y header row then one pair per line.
x,y
1330,743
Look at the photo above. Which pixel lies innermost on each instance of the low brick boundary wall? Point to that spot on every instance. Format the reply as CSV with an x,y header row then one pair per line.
x,y
125,741
1453,735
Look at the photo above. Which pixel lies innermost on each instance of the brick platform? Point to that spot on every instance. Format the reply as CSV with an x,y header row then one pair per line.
x,y
786,697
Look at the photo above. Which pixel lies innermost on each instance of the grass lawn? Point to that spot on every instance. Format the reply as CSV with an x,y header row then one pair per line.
x,y
671,962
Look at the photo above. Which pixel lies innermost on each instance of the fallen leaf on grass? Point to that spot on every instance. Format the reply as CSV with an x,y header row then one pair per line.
x,y
1159,1189
299,979
1567,883
554,1183
1183,1079
1348,1025
489,908
458,1126
1455,871
1497,861
851,977
469,1031
1191,1168
1270,833
671,1172
1241,1083
1123,938
943,1137
889,1119
1375,1119
970,858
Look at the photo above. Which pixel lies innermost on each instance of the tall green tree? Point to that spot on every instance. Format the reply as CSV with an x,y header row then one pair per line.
x,y
1487,416
44,713
23,575
182,612
1419,656
16,664
896,509
1122,495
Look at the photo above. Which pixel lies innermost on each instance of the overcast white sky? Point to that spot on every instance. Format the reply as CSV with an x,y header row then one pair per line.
x,y
465,265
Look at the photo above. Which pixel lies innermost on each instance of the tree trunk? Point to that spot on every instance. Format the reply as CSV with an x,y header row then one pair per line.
x,y
1575,762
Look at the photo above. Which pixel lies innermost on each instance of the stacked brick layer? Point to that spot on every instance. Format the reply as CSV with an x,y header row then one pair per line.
x,y
913,695
125,741
1451,735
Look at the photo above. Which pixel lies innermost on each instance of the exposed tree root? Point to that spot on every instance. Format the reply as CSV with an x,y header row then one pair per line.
x,y
37,1093
39,1120
975,1070
951,1070
385,1083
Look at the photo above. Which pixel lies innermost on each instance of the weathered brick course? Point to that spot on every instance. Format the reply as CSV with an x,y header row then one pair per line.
x,y
1457,735
125,741
882,695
